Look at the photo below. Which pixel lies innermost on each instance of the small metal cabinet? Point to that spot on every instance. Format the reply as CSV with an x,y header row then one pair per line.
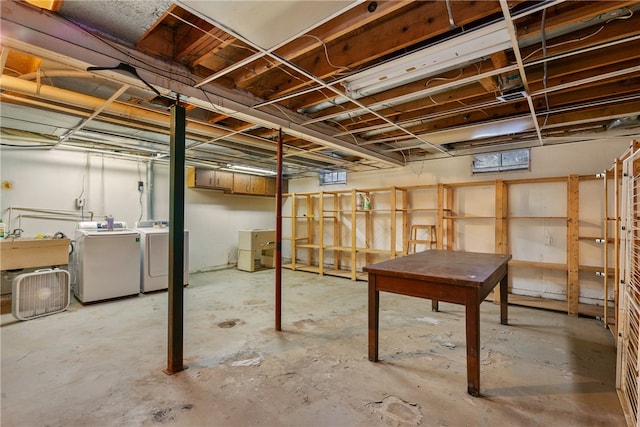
x,y
251,244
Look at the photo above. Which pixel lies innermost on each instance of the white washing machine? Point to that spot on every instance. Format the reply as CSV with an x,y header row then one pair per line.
x,y
106,262
154,255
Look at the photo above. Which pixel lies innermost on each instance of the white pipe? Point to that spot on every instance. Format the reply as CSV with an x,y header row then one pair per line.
x,y
159,120
150,185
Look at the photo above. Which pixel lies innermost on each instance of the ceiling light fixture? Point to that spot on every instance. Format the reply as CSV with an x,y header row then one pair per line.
x,y
251,169
466,48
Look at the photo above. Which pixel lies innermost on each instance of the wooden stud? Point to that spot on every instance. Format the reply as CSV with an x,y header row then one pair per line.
x,y
501,224
392,237
440,219
573,283
294,235
451,237
353,235
321,233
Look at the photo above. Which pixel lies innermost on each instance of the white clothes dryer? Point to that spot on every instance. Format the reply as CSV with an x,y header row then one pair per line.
x,y
154,255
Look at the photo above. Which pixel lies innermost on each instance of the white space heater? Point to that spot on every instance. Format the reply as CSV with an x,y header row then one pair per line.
x,y
40,293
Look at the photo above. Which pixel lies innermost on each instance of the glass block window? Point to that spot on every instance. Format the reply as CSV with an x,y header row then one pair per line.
x,y
501,161
333,177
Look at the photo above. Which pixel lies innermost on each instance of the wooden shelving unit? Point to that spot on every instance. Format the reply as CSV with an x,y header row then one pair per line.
x,y
331,233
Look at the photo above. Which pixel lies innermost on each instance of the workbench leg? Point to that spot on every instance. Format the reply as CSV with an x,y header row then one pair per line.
x,y
374,302
473,345
504,295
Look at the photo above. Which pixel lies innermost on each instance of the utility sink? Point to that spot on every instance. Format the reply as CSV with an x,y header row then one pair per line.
x,y
30,252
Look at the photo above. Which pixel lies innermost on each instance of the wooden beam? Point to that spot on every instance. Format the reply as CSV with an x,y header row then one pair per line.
x,y
351,21
573,227
501,234
417,22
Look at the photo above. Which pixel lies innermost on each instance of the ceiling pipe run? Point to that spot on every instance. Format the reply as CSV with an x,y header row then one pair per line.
x,y
22,30
25,87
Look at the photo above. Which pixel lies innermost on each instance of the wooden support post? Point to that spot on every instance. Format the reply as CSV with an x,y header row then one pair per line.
x,y
617,184
449,222
392,237
321,233
294,235
309,221
605,246
440,219
501,225
405,218
353,234
573,283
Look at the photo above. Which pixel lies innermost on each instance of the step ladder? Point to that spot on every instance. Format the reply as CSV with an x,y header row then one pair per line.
x,y
428,234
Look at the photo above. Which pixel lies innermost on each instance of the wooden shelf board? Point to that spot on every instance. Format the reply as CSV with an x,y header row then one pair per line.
x,y
308,268
555,305
536,264
373,251
593,268
338,248
339,273
468,217
536,217
591,238
362,276
307,246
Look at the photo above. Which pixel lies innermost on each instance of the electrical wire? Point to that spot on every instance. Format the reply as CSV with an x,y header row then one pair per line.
x,y
446,79
544,66
326,53
346,129
579,39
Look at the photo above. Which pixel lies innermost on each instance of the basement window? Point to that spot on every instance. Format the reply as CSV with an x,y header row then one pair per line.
x,y
501,161
333,177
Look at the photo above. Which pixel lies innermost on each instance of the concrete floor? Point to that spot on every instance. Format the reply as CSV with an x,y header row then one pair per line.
x,y
102,364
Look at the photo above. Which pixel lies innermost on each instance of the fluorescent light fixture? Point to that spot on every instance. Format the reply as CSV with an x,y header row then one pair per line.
x,y
251,169
479,131
435,59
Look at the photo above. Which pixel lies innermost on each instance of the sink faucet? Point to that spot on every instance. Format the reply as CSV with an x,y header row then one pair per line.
x,y
17,232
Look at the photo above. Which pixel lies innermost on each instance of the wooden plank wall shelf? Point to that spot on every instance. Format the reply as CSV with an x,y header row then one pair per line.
x,y
330,232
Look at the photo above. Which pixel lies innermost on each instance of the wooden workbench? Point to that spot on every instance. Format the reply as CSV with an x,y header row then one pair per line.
x,y
457,277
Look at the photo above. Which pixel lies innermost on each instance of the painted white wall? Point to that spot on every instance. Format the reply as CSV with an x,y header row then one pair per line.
x,y
547,161
51,180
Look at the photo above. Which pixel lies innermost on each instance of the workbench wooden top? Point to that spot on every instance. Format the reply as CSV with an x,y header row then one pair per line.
x,y
451,267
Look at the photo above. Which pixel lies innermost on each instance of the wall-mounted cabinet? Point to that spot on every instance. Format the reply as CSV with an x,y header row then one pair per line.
x,y
230,182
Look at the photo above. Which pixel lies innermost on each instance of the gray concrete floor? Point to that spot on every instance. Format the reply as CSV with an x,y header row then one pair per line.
x,y
102,364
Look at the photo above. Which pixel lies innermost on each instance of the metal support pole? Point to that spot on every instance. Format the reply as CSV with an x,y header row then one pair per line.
x,y
176,240
279,234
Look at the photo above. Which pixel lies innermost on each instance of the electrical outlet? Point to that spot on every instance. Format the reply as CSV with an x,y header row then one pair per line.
x,y
79,203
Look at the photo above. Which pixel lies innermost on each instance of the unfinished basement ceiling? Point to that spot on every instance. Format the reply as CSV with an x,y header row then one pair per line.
x,y
354,85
